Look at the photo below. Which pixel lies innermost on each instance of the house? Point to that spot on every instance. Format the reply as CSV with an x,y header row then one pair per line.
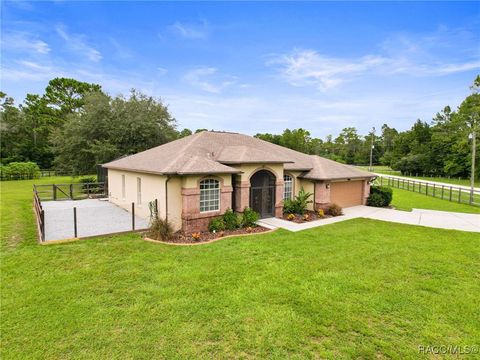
x,y
200,176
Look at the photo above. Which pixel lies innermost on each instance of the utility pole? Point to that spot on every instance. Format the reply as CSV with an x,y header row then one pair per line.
x,y
472,174
371,149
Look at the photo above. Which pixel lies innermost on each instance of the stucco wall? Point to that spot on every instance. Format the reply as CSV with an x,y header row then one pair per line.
x,y
153,187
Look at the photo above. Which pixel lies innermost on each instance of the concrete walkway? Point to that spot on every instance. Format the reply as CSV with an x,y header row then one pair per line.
x,y
428,218
463,187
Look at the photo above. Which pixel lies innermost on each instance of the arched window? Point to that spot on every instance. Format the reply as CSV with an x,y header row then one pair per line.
x,y
287,187
209,195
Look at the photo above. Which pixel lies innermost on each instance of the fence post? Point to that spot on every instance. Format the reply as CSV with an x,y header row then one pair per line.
x,y
443,186
433,190
470,201
459,194
133,216
450,199
75,221
426,189
54,192
381,181
42,225
71,191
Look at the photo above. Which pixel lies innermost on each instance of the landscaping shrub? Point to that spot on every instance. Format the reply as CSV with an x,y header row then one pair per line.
x,y
380,196
299,204
289,206
92,189
250,217
216,224
160,229
320,213
230,220
20,170
302,200
334,210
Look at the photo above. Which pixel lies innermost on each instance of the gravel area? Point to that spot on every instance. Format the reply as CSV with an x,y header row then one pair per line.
x,y
94,217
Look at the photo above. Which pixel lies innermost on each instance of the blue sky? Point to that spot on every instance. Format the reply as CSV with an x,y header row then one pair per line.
x,y
253,67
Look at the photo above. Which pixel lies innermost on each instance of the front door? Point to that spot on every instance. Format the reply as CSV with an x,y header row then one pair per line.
x,y
262,193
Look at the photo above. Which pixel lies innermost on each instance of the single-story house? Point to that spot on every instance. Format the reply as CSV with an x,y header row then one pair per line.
x,y
200,176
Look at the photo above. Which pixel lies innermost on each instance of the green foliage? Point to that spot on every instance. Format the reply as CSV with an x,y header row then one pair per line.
x,y
230,220
334,210
108,128
250,217
160,229
20,170
216,224
380,196
299,204
289,206
87,179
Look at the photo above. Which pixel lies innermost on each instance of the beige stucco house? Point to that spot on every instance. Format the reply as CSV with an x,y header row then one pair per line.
x,y
200,176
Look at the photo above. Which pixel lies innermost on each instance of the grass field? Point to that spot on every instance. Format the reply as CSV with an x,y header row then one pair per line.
x,y
356,289
454,181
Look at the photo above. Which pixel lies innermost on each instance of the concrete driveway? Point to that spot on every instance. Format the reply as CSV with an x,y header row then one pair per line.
x,y
428,218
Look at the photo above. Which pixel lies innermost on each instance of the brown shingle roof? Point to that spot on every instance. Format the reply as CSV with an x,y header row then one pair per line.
x,y
210,152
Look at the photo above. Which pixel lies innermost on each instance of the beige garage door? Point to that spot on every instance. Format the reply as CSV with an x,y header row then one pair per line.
x,y
345,194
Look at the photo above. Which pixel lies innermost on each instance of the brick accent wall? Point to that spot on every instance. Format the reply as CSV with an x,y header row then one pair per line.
x,y
366,192
322,195
279,185
192,219
242,195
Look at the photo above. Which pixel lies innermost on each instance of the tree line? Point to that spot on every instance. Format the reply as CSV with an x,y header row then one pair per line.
x,y
75,125
440,147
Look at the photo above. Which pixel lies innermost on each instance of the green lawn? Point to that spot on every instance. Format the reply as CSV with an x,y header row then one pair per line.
x,y
454,181
356,289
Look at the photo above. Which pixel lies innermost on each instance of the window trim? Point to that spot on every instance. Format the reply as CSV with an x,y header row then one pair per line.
x,y
209,191
285,188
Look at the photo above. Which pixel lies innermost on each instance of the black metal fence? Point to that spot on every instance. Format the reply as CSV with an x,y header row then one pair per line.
x,y
444,192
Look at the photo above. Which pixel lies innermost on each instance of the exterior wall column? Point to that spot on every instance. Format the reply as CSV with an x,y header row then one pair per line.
x,y
322,194
279,186
242,195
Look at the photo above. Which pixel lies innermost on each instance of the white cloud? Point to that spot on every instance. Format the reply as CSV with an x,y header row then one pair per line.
x,y
161,71
308,67
190,31
77,43
25,42
208,79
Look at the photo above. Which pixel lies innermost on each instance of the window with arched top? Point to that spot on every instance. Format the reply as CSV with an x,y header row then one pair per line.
x,y
209,195
287,187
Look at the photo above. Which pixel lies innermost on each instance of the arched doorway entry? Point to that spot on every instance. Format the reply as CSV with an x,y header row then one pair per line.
x,y
262,193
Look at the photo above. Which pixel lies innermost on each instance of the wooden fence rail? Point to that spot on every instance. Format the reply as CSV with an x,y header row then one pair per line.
x,y
76,191
444,192
39,214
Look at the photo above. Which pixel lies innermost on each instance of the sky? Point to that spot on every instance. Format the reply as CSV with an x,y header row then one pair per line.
x,y
253,67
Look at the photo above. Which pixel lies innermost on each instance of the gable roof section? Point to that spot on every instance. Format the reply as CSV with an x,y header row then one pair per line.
x,y
326,169
211,152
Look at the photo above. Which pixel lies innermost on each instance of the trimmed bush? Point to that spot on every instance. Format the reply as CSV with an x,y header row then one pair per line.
x,y
216,224
160,229
334,210
20,170
289,206
230,220
299,204
250,217
380,196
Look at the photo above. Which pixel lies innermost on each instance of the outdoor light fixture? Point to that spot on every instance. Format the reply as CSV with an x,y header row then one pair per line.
x,y
327,185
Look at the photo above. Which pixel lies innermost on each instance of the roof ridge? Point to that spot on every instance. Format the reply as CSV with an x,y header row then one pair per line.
x,y
181,152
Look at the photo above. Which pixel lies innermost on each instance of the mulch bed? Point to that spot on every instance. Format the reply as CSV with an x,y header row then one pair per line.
x,y
181,238
312,215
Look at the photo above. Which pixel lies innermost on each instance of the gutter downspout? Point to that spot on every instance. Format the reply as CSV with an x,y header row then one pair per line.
x,y
166,197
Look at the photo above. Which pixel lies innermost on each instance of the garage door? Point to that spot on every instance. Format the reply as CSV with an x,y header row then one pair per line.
x,y
345,194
